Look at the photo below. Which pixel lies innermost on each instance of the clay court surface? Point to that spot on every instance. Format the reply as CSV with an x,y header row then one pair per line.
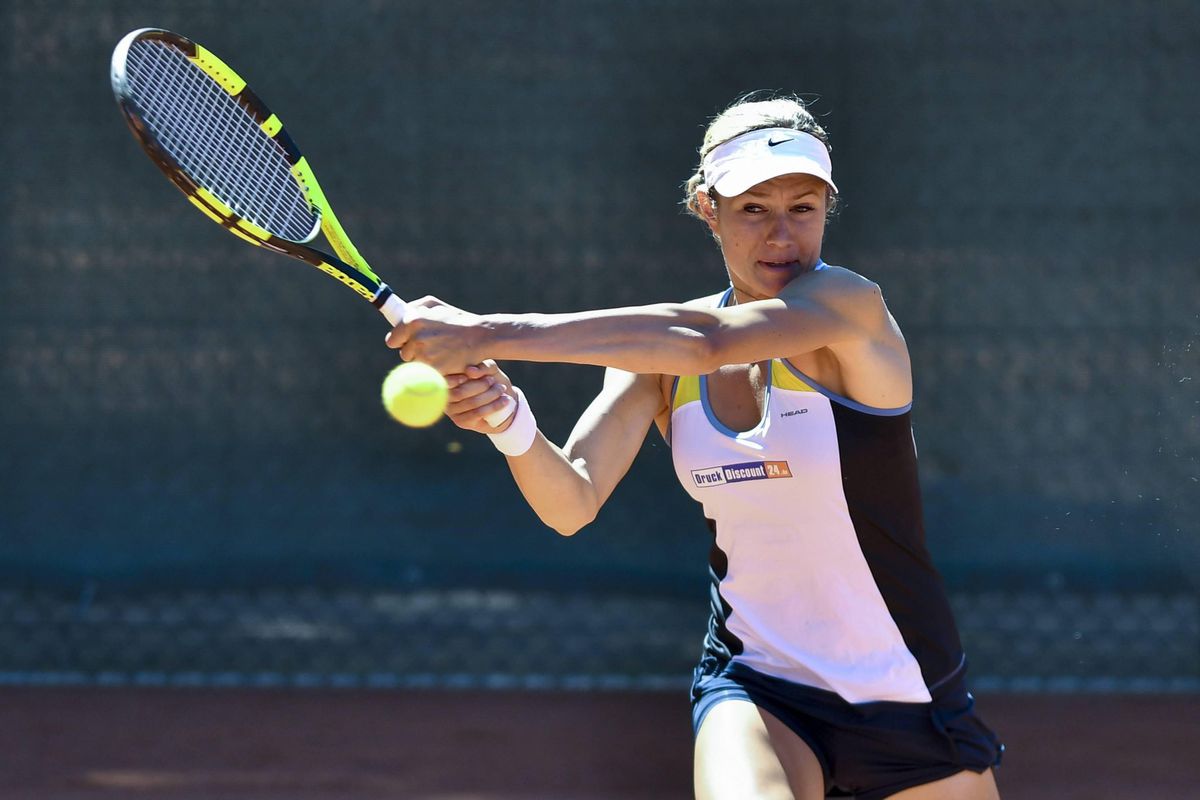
x,y
235,744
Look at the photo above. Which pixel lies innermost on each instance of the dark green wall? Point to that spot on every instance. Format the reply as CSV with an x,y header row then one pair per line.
x,y
1021,178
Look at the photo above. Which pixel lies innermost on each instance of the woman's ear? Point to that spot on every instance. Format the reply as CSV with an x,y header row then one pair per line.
x,y
708,209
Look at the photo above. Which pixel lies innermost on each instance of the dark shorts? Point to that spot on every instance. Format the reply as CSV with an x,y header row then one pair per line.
x,y
867,750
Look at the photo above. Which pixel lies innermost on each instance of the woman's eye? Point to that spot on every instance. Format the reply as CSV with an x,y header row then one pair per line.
x,y
803,208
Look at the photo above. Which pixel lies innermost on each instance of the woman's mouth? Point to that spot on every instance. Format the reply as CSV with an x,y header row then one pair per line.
x,y
779,264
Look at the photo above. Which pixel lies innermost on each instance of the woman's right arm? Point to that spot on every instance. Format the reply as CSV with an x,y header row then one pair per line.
x,y
566,486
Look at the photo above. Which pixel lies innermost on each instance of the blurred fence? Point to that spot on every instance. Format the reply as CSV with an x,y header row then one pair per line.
x,y
188,423
1018,641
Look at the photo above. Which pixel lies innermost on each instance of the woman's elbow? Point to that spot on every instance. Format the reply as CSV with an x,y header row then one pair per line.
x,y
569,526
570,519
566,530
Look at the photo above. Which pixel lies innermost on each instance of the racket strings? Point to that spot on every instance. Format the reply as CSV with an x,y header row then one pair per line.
x,y
247,167
216,141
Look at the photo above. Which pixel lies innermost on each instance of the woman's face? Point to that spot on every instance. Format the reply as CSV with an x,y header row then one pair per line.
x,y
770,233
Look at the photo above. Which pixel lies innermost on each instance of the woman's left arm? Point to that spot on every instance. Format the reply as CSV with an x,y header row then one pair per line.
x,y
815,310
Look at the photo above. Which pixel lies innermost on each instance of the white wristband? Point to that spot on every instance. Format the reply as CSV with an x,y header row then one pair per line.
x,y
518,437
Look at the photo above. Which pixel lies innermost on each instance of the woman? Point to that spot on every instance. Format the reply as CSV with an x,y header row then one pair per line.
x,y
832,666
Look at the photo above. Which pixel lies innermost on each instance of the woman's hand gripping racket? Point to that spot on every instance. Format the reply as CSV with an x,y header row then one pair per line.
x,y
219,143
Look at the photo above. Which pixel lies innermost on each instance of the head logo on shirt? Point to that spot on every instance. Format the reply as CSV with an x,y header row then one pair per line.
x,y
736,473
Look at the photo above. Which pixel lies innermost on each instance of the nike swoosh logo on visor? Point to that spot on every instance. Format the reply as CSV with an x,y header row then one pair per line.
x,y
773,143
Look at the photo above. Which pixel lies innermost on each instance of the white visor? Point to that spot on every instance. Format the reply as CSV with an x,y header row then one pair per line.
x,y
747,160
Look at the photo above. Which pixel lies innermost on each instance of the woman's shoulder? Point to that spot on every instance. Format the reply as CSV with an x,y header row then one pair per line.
x,y
839,276
707,301
849,295
837,286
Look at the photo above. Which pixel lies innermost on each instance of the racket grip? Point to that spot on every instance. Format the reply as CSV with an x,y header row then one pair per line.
x,y
393,309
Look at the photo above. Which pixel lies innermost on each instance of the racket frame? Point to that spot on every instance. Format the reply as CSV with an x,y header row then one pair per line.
x,y
348,267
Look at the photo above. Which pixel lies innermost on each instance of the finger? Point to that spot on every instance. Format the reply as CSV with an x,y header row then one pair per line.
x,y
468,421
396,337
490,367
479,370
469,388
473,419
502,402
475,400
477,420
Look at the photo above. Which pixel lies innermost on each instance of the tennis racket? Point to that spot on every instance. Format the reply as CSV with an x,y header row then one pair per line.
x,y
217,141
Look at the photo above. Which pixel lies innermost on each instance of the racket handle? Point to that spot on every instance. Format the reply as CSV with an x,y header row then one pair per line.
x,y
393,308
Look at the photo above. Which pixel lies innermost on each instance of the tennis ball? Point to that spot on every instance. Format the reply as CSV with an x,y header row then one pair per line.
x,y
415,394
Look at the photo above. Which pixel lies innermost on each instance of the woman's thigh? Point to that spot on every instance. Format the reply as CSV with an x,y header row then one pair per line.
x,y
743,751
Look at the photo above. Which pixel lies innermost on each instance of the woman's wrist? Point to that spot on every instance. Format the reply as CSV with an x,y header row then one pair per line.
x,y
518,436
500,332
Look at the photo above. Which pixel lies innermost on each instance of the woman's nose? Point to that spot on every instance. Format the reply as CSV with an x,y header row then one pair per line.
x,y
779,232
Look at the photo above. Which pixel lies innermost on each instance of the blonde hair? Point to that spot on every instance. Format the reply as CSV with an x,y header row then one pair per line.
x,y
753,112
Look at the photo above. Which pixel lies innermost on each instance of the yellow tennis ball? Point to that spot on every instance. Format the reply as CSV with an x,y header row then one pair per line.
x,y
415,394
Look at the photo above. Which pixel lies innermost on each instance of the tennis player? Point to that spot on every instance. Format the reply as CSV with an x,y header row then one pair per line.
x,y
832,665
